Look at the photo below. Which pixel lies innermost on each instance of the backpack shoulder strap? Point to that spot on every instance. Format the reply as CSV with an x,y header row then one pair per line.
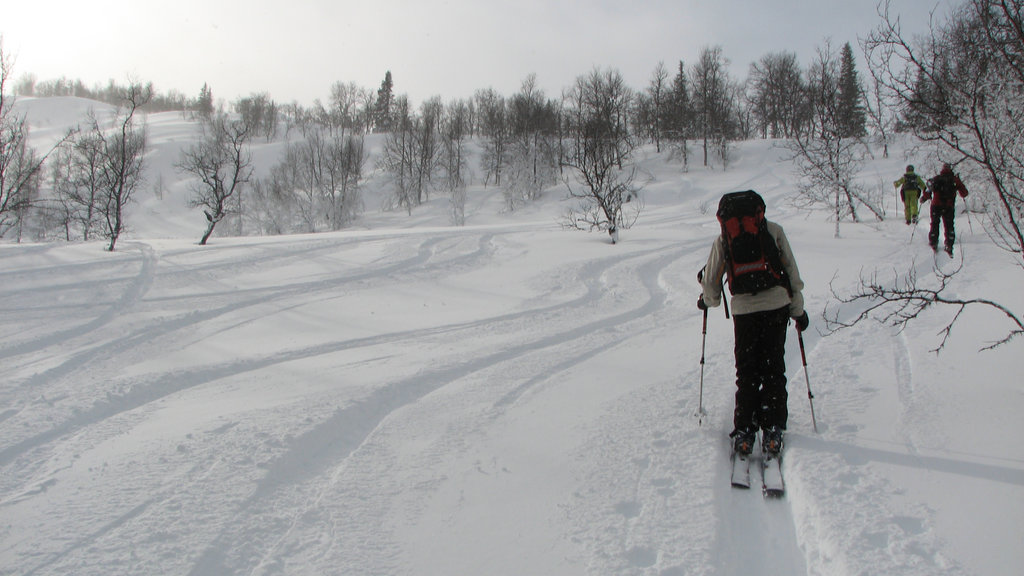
x,y
774,255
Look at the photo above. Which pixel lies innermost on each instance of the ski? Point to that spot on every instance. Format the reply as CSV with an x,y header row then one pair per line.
x,y
772,484
740,477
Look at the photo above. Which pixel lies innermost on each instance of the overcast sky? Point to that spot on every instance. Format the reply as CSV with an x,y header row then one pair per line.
x,y
296,49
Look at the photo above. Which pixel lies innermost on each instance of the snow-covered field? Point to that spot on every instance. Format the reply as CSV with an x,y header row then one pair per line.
x,y
504,398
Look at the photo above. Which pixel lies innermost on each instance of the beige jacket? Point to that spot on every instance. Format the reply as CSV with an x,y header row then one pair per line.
x,y
771,299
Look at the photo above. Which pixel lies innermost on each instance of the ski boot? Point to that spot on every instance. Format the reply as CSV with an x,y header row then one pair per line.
x,y
772,441
743,442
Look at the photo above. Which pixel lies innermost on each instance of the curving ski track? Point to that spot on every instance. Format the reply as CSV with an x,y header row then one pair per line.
x,y
334,451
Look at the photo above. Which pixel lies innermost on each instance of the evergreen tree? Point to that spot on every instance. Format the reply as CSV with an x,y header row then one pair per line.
x,y
651,106
928,110
852,117
204,105
382,109
678,110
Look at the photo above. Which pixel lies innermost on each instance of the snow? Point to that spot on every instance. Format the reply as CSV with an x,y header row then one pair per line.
x,y
506,397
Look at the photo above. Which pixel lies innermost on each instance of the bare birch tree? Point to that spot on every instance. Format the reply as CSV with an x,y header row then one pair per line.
x,y
713,103
399,156
20,164
78,184
122,159
828,159
493,119
964,83
532,151
453,161
776,92
221,164
599,152
961,87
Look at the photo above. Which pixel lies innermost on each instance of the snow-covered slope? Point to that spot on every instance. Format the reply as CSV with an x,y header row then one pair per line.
x,y
501,398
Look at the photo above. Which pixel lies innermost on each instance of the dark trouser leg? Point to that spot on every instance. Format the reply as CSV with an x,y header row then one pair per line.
x,y
933,232
947,221
761,395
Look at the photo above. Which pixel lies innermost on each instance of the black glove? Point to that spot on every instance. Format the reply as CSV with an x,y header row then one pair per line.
x,y
700,303
802,321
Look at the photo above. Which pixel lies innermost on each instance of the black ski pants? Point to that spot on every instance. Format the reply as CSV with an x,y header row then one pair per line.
x,y
945,214
761,395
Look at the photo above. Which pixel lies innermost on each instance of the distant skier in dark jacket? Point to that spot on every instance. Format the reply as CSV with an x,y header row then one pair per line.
x,y
942,191
760,320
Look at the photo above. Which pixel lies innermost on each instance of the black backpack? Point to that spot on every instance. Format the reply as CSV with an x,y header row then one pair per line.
x,y
752,261
910,182
944,187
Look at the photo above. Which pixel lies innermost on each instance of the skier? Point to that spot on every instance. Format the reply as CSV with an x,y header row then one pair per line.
x,y
911,186
759,323
942,191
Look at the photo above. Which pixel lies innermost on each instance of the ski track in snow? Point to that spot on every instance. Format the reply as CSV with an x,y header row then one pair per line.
x,y
378,403
607,329
843,467
261,502
140,393
318,483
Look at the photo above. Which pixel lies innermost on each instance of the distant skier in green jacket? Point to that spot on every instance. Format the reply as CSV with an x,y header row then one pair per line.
x,y
911,186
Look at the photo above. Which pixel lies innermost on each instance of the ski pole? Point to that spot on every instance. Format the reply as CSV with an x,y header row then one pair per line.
x,y
810,396
725,301
703,341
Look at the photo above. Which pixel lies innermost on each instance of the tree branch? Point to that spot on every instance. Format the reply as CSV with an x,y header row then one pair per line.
x,y
903,300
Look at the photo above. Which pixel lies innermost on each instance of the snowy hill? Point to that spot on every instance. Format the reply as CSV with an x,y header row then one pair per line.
x,y
506,397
